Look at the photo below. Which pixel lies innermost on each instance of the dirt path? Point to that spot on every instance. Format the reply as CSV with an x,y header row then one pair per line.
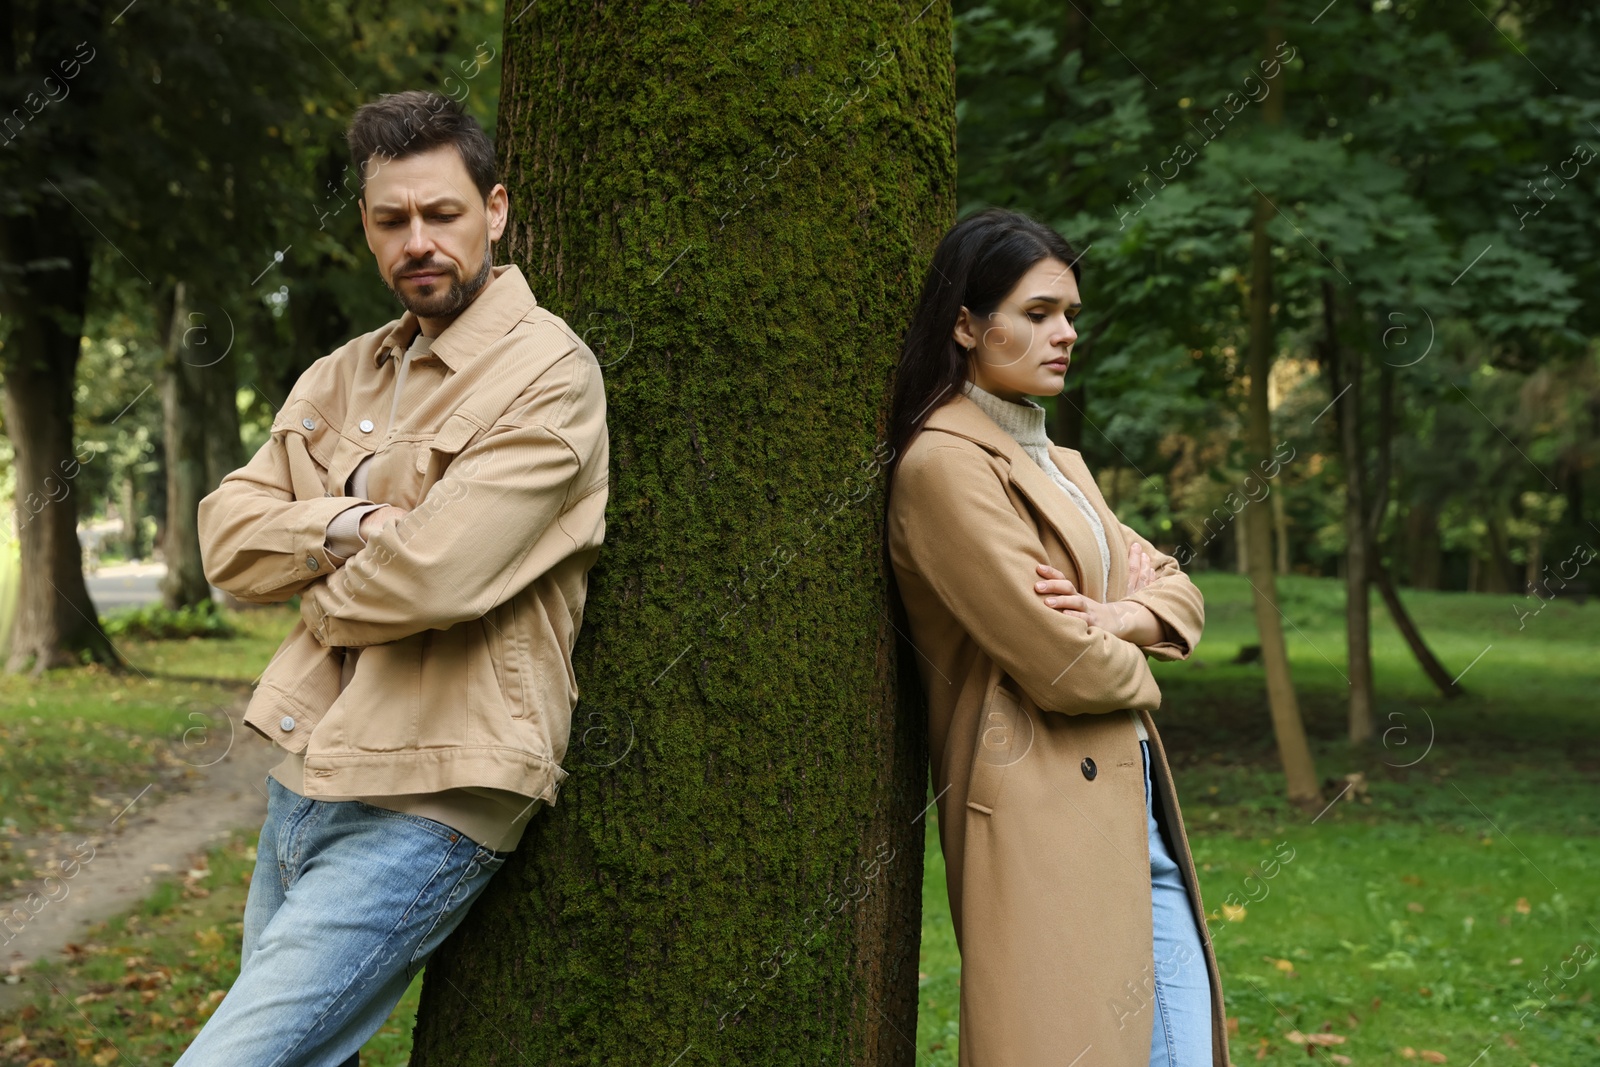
x,y
118,864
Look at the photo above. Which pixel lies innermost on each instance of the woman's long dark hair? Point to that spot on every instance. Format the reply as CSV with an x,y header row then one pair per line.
x,y
976,265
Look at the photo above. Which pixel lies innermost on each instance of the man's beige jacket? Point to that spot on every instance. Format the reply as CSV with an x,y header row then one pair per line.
x,y
466,609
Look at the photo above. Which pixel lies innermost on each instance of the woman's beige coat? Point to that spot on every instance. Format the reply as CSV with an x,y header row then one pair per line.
x,y
1036,764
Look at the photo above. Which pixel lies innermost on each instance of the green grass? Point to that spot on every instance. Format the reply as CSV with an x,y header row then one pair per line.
x,y
1413,915
79,744
141,985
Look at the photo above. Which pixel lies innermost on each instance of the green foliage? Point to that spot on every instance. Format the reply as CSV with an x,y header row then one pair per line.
x,y
1425,177
156,623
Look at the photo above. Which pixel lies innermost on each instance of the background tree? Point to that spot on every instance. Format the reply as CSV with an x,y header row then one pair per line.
x,y
1412,132
176,174
738,207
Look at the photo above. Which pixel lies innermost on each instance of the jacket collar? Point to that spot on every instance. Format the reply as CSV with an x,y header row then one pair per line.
x,y
962,417
503,303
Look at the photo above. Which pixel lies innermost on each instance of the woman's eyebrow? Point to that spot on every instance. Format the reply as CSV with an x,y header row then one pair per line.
x,y
1053,300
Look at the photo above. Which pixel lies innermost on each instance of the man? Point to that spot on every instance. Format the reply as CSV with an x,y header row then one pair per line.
x,y
434,491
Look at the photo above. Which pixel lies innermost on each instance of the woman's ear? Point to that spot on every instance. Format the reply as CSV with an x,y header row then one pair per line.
x,y
963,330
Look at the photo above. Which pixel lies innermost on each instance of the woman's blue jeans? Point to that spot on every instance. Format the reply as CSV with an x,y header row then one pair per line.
x,y
1182,1031
347,903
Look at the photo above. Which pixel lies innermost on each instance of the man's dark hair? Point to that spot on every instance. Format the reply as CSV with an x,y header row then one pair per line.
x,y
397,125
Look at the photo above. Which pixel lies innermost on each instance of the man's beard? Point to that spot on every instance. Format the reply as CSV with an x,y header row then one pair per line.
x,y
437,304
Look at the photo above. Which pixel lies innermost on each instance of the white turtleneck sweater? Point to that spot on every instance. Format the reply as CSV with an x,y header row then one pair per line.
x,y
1024,423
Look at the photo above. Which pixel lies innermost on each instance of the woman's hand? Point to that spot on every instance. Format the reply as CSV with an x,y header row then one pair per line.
x,y
1141,568
1131,621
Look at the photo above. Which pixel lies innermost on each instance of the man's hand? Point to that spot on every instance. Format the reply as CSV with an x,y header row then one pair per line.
x,y
1133,622
374,521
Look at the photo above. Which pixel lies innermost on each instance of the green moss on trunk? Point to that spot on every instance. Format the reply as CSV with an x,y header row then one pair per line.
x,y
736,202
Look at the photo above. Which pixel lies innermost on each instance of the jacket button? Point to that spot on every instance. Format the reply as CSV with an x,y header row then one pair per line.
x,y
1088,768
366,425
286,723
311,563
310,424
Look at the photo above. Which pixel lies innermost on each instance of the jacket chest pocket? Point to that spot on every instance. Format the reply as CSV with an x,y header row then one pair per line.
x,y
310,441
406,469
1005,737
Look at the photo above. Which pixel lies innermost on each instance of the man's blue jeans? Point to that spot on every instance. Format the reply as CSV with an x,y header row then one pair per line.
x,y
1182,1001
347,903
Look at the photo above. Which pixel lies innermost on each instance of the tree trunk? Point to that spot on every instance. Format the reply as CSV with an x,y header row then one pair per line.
x,y
183,400
1423,552
1419,648
130,513
1357,611
1280,531
56,623
737,206
1300,772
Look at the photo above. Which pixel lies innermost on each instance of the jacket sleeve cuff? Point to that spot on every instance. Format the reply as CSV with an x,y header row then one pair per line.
x,y
308,534
343,537
1175,644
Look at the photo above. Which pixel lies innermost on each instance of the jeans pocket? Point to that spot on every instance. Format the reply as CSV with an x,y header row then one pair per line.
x,y
465,888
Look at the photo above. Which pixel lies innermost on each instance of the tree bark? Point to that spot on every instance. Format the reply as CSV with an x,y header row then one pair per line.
x,y
736,206
56,623
1300,772
183,400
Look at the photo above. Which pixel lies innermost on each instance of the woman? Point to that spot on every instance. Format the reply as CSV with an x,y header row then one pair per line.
x,y
1032,609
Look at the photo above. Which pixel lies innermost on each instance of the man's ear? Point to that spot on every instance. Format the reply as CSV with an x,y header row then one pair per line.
x,y
497,207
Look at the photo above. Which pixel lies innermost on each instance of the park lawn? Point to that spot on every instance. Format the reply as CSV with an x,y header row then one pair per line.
x,y
1461,866
139,987
78,745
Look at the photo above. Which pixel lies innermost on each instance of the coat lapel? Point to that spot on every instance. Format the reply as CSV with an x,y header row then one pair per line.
x,y
1071,463
964,418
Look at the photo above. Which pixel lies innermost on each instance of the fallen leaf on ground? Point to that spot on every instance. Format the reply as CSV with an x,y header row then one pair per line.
x,y
1298,1038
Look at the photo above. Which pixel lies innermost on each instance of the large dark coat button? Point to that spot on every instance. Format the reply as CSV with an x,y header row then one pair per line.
x,y
1088,768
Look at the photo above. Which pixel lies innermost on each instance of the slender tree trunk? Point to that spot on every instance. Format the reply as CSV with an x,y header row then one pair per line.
x,y
1419,648
1498,571
1299,770
737,203
1357,613
1387,420
224,450
1280,532
130,514
183,399
1422,548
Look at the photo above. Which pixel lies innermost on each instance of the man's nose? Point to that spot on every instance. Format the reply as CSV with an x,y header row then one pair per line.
x,y
418,243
